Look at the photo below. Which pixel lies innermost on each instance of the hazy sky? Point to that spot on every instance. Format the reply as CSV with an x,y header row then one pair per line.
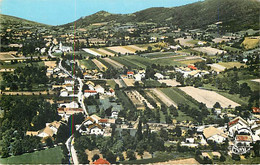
x,y
56,12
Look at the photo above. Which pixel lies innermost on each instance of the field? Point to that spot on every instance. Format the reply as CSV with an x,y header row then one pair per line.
x,y
164,98
4,55
231,64
91,52
185,42
105,52
151,83
128,82
159,54
126,102
209,50
120,49
113,63
208,97
138,100
9,66
89,64
172,82
217,67
99,64
250,43
178,96
125,62
233,97
254,85
189,62
48,156
111,83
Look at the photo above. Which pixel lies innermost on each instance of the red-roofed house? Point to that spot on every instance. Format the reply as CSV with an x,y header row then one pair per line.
x,y
255,110
101,161
192,67
130,74
243,140
88,93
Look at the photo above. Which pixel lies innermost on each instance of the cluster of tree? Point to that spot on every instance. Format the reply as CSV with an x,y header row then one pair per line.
x,y
113,147
16,121
198,114
25,77
202,65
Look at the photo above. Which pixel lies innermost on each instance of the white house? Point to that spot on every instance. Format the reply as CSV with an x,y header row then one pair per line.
x,y
64,48
99,89
95,118
72,104
159,76
138,77
69,87
95,129
68,81
64,93
236,124
114,114
214,134
111,92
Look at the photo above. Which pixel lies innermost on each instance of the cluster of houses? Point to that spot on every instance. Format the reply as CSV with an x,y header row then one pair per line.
x,y
96,125
239,133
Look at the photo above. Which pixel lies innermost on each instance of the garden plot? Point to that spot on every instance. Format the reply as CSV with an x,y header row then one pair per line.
x,y
209,50
91,52
185,42
165,99
138,100
208,97
170,82
113,63
99,65
120,49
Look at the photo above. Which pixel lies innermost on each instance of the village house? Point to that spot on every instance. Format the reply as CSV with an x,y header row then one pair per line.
x,y
95,129
130,74
159,76
68,81
88,93
50,130
237,124
111,92
214,134
67,112
99,89
72,104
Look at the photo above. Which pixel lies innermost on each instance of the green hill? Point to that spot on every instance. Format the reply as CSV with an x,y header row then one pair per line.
x,y
7,21
235,15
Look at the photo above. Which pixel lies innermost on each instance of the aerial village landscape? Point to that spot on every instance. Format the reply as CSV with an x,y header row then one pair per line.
x,y
116,89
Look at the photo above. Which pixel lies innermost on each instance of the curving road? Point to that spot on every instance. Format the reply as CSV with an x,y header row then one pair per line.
x,y
80,96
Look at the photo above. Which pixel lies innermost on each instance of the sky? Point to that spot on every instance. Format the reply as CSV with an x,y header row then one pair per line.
x,y
57,12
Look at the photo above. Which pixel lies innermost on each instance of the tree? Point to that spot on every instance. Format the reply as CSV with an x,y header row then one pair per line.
x,y
49,142
139,134
95,157
217,105
130,154
235,157
222,158
111,157
62,133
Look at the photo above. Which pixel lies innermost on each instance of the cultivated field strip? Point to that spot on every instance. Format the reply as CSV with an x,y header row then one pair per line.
x,y
208,97
99,64
113,63
164,98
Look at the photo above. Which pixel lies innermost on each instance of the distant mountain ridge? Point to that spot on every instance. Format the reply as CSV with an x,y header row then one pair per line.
x,y
235,15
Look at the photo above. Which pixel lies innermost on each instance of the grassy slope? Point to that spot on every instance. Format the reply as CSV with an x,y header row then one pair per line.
x,y
48,156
